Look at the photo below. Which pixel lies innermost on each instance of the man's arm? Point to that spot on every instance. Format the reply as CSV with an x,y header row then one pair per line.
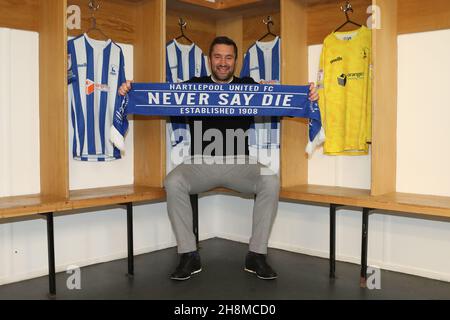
x,y
313,95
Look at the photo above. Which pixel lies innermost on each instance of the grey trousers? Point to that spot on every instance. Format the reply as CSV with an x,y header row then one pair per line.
x,y
189,179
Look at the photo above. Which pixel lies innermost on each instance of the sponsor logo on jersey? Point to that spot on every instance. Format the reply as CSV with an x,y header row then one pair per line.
x,y
355,76
91,87
342,80
336,60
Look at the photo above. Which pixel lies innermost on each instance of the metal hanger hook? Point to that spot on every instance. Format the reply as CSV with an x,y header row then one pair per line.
x,y
182,23
93,5
347,7
268,20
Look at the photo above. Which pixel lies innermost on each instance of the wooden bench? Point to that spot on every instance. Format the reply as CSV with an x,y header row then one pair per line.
x,y
338,197
32,205
335,197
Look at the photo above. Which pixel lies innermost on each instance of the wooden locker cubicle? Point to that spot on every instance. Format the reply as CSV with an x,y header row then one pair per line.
x,y
396,17
139,23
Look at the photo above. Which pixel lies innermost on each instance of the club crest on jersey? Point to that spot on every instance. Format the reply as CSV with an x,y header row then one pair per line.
x,y
113,70
364,53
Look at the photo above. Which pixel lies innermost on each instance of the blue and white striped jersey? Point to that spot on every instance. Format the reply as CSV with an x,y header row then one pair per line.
x,y
184,62
262,63
95,72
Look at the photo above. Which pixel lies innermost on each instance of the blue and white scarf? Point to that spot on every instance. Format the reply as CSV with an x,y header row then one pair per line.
x,y
216,100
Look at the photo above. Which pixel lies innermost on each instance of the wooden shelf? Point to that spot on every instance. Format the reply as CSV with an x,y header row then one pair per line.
x,y
222,10
326,194
414,203
395,201
87,198
222,4
27,205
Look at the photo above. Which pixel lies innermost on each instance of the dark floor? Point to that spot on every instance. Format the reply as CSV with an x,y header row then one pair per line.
x,y
300,277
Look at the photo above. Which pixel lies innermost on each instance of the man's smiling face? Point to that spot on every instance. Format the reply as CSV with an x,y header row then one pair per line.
x,y
223,62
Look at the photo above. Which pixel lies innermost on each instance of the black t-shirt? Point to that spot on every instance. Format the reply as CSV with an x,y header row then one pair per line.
x,y
220,123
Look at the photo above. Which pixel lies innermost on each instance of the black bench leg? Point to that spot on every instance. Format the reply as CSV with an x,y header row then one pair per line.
x,y
130,238
333,241
51,254
364,245
194,204
333,208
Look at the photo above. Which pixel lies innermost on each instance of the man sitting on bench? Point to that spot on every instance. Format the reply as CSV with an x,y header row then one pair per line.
x,y
234,169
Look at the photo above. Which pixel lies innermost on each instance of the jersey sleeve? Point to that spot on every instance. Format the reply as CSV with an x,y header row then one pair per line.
x,y
245,71
316,128
369,101
71,63
204,70
168,71
321,84
120,120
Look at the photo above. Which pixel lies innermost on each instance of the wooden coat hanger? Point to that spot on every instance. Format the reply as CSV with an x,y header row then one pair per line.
x,y
346,9
268,23
93,6
183,25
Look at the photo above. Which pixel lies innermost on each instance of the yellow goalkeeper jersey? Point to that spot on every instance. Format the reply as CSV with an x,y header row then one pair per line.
x,y
345,90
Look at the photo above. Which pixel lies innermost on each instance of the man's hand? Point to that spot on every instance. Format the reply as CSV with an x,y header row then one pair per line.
x,y
125,87
313,95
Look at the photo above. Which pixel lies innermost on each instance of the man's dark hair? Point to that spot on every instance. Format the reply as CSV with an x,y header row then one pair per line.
x,y
223,40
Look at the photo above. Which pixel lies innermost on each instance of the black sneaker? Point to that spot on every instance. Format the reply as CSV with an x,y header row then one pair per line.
x,y
189,264
256,263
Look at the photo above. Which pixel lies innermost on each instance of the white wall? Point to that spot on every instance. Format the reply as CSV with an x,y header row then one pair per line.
x,y
19,113
423,113
396,243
